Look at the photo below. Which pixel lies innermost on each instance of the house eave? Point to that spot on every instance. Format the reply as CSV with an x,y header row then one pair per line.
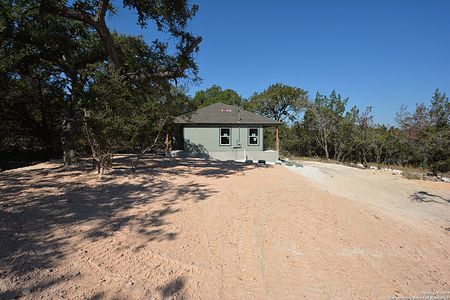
x,y
230,123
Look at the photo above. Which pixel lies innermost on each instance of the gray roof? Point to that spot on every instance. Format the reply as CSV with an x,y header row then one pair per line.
x,y
219,113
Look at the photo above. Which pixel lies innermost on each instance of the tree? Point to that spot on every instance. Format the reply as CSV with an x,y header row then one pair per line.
x,y
328,129
379,142
91,59
297,140
364,137
438,142
344,137
155,117
427,133
439,110
121,114
396,147
30,111
32,42
322,118
33,98
168,16
280,102
216,94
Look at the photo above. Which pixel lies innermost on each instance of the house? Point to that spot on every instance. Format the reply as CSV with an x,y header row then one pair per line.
x,y
227,132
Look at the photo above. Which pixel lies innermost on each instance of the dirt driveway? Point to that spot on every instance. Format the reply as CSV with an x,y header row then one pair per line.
x,y
211,230
387,190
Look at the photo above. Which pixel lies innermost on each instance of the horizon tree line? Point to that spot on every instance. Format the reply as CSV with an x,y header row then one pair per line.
x,y
325,127
72,87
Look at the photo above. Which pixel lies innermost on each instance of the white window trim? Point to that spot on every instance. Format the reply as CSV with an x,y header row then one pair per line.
x,y
257,136
220,136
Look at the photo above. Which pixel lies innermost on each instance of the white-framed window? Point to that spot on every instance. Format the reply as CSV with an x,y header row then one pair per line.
x,y
253,136
225,136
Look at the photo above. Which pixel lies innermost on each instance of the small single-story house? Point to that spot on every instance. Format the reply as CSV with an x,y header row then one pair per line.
x,y
227,132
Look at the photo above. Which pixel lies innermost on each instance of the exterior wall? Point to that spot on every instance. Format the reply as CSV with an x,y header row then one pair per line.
x,y
268,156
204,141
208,138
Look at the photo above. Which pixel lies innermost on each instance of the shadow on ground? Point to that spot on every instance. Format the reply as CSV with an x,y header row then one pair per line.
x,y
174,288
425,197
35,202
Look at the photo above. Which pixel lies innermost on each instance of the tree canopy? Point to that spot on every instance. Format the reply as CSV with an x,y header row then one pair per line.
x,y
216,94
71,85
97,89
330,130
168,16
279,102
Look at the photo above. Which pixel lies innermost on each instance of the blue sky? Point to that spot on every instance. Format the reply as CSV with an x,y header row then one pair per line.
x,y
378,53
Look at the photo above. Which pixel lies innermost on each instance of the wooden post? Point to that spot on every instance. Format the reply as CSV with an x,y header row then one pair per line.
x,y
167,144
277,142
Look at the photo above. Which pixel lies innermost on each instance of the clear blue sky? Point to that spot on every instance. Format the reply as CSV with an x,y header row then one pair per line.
x,y
379,53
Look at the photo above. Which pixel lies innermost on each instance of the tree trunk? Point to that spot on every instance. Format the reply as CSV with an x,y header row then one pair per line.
x,y
70,124
101,153
109,45
135,162
378,154
68,137
325,148
364,159
338,152
99,24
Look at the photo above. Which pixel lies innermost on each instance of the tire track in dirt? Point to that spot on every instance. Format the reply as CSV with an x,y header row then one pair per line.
x,y
265,233
145,271
235,224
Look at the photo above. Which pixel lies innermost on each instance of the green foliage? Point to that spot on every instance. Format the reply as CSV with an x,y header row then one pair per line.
x,y
344,138
169,16
439,112
364,135
322,118
156,114
427,132
279,102
216,94
32,93
107,108
328,129
30,112
63,73
438,133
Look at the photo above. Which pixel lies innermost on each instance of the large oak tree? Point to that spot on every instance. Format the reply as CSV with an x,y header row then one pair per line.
x,y
168,16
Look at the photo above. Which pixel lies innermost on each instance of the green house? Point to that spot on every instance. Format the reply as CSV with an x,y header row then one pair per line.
x,y
227,132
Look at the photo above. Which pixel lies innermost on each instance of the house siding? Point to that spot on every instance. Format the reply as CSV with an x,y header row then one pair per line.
x,y
204,140
208,138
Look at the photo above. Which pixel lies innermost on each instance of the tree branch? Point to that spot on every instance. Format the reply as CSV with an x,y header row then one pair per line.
x,y
184,61
102,8
76,15
176,72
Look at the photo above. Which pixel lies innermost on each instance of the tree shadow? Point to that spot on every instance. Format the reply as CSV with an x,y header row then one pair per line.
x,y
425,197
195,150
173,288
203,167
37,202
26,290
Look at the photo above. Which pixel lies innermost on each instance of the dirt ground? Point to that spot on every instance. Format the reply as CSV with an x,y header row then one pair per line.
x,y
188,228
386,190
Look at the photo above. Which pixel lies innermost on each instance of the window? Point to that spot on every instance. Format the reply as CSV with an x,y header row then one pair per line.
x,y
253,136
225,136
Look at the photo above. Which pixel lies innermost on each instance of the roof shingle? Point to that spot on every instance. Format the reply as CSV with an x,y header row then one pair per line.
x,y
220,113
